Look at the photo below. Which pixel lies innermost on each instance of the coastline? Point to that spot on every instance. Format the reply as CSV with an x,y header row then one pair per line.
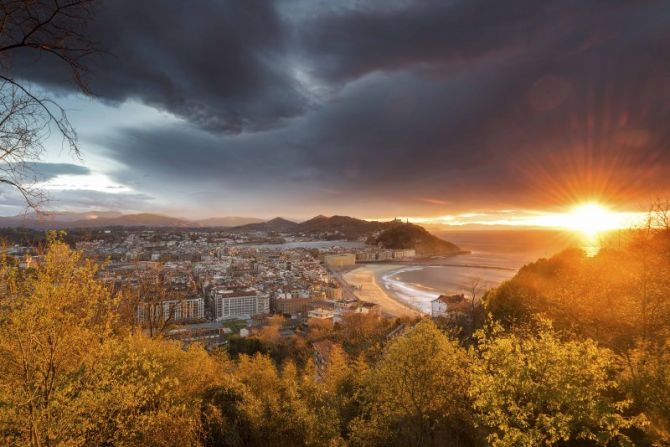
x,y
364,280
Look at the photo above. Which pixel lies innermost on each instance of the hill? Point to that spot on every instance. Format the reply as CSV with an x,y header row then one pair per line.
x,y
343,227
137,220
407,235
277,225
228,221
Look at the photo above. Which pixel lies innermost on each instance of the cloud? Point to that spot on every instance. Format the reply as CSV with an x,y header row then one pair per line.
x,y
220,65
46,171
421,105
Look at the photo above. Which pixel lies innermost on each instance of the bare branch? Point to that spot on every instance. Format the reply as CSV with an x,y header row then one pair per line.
x,y
53,27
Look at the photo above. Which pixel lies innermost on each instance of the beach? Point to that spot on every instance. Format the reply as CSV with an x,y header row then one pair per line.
x,y
364,281
407,288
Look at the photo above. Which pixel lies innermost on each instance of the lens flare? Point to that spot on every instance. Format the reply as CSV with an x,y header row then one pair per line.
x,y
591,219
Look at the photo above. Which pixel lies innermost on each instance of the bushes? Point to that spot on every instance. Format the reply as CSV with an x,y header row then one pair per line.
x,y
534,389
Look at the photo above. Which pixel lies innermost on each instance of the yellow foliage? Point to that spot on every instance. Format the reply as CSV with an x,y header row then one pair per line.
x,y
537,390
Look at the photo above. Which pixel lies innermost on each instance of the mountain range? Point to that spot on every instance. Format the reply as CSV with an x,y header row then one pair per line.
x,y
63,220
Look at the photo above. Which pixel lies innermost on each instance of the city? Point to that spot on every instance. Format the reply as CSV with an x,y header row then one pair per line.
x,y
208,285
339,223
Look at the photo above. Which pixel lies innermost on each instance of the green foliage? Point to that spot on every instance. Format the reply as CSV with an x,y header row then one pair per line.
x,y
416,395
615,297
647,378
67,378
265,406
532,389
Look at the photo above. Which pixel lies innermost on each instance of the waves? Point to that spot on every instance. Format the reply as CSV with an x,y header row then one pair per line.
x,y
418,285
417,295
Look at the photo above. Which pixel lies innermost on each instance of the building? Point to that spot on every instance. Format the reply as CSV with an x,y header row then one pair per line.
x,y
172,310
240,303
385,254
366,256
320,314
334,292
292,306
340,260
405,253
208,334
367,308
448,305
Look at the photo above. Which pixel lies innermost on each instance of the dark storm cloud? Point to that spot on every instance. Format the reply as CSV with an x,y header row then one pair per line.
x,y
530,100
219,64
351,42
420,103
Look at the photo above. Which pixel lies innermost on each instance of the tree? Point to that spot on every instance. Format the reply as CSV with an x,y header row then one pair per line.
x,y
149,300
59,317
55,28
68,375
532,389
417,394
646,376
265,406
140,391
341,383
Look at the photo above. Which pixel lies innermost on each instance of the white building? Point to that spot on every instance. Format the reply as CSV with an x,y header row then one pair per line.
x,y
243,303
404,253
321,314
444,305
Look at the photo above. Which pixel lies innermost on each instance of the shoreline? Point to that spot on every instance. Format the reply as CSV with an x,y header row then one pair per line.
x,y
364,280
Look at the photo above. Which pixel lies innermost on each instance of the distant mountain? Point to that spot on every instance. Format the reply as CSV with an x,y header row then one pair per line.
x,y
54,221
136,220
277,225
231,221
407,235
67,216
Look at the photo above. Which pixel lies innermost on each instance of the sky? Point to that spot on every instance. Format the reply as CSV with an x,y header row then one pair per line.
x,y
465,110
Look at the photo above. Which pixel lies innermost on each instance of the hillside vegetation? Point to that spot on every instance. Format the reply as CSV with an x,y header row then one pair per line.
x,y
407,235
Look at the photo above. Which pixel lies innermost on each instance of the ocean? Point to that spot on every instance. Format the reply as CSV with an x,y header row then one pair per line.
x,y
494,257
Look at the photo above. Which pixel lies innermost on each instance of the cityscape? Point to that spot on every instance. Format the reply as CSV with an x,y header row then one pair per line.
x,y
196,285
342,223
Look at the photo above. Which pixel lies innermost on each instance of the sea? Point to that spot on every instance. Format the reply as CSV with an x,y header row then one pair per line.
x,y
494,256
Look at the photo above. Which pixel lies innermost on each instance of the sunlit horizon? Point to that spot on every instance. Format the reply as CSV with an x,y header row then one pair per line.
x,y
589,218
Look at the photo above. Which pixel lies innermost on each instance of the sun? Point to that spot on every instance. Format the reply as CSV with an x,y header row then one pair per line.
x,y
591,219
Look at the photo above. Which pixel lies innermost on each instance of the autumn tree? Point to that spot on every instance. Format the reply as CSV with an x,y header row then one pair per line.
x,y
140,391
416,395
532,389
58,318
267,406
646,376
69,375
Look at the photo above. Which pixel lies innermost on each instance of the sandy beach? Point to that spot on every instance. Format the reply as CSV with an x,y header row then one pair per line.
x,y
363,279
